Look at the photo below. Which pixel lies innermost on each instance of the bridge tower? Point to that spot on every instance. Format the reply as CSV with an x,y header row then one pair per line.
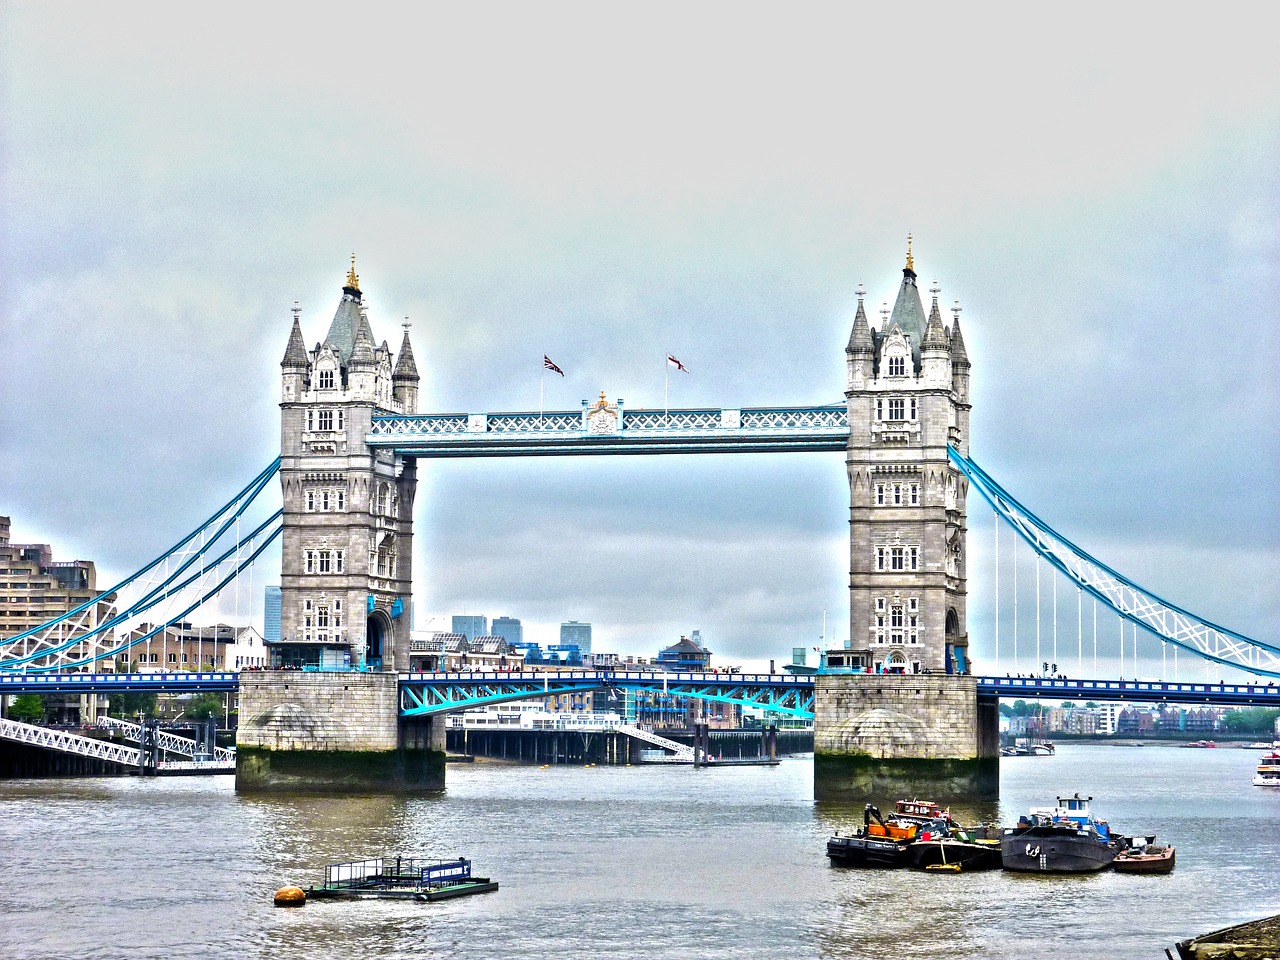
x,y
346,585
346,577
908,394
896,713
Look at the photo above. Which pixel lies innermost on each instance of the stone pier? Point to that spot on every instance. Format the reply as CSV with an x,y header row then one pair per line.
x,y
332,733
890,736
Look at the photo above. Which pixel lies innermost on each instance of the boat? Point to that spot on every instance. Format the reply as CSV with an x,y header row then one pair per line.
x,y
1061,839
886,841
400,878
1201,745
955,853
1145,856
1268,772
860,850
1257,938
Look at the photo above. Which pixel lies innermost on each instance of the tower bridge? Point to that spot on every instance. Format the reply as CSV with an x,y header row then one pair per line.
x,y
902,690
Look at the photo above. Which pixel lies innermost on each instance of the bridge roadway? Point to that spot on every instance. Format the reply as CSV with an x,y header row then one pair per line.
x,y
428,693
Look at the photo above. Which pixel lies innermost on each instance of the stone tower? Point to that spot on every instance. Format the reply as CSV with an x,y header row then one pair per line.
x,y
346,578
908,394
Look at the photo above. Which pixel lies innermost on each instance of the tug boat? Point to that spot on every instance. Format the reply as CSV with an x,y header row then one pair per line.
x,y
1268,773
1061,839
888,841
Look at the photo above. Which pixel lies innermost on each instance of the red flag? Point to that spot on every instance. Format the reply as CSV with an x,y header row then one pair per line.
x,y
548,364
678,364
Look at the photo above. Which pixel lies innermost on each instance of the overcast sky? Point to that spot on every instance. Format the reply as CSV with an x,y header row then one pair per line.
x,y
607,183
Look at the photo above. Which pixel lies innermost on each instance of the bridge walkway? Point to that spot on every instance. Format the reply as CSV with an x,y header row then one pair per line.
x,y
64,742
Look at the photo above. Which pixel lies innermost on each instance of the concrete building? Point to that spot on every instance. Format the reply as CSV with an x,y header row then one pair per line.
x,y
471,626
271,607
509,628
573,633
908,397
181,646
346,589
35,588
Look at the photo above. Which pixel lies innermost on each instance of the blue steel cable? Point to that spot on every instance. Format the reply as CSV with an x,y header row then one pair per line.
x,y
125,646
256,485
992,491
143,604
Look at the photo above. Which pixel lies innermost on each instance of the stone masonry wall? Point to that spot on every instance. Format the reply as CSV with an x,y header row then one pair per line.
x,y
291,710
898,717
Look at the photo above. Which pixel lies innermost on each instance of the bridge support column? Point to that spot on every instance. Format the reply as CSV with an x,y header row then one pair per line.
x,y
890,736
333,733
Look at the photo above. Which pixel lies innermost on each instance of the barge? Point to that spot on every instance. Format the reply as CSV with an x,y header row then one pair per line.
x,y
400,878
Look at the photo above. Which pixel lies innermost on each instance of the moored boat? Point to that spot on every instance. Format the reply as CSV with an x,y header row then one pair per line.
x,y
1268,772
953,853
1061,839
400,878
885,841
1148,858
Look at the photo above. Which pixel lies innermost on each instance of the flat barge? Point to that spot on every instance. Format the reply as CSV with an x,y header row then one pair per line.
x,y
400,878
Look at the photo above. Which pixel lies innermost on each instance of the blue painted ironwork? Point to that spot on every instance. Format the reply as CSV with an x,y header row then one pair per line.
x,y
1140,691
422,694
166,682
822,429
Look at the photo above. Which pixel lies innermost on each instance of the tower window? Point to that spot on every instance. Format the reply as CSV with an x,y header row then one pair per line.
x,y
914,490
913,408
897,494
879,409
897,366
326,379
880,494
324,419
897,408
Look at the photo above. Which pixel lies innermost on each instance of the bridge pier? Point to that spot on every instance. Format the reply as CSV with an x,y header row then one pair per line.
x,y
333,733
889,736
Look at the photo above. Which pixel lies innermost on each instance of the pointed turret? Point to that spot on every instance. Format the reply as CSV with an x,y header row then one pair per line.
x,y
406,367
958,353
295,353
362,350
935,335
295,365
405,378
935,348
860,343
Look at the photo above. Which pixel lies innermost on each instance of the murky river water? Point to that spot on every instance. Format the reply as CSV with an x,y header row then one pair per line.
x,y
656,862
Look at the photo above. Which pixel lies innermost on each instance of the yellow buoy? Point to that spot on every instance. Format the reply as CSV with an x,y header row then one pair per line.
x,y
290,897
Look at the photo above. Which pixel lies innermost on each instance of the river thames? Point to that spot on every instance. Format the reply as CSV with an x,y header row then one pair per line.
x,y
653,862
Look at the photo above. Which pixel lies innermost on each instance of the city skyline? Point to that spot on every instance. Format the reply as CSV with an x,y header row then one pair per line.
x,y
1109,229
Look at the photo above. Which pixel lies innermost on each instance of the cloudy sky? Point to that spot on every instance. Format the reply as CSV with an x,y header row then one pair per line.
x,y
607,183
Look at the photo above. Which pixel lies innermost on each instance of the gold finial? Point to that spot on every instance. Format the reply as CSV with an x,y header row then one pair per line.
x,y
911,263
353,279
603,402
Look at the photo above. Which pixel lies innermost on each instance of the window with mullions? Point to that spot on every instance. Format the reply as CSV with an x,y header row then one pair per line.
x,y
326,379
897,366
897,408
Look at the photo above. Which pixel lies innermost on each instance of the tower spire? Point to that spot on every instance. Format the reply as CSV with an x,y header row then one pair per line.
x,y
353,279
910,268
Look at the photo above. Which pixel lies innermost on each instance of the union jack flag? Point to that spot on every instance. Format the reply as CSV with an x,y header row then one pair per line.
x,y
549,364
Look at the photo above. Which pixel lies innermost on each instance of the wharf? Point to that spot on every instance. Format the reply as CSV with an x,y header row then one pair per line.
x,y
1255,940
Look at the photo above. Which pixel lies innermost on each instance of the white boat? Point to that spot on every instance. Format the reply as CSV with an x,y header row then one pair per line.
x,y
1268,774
